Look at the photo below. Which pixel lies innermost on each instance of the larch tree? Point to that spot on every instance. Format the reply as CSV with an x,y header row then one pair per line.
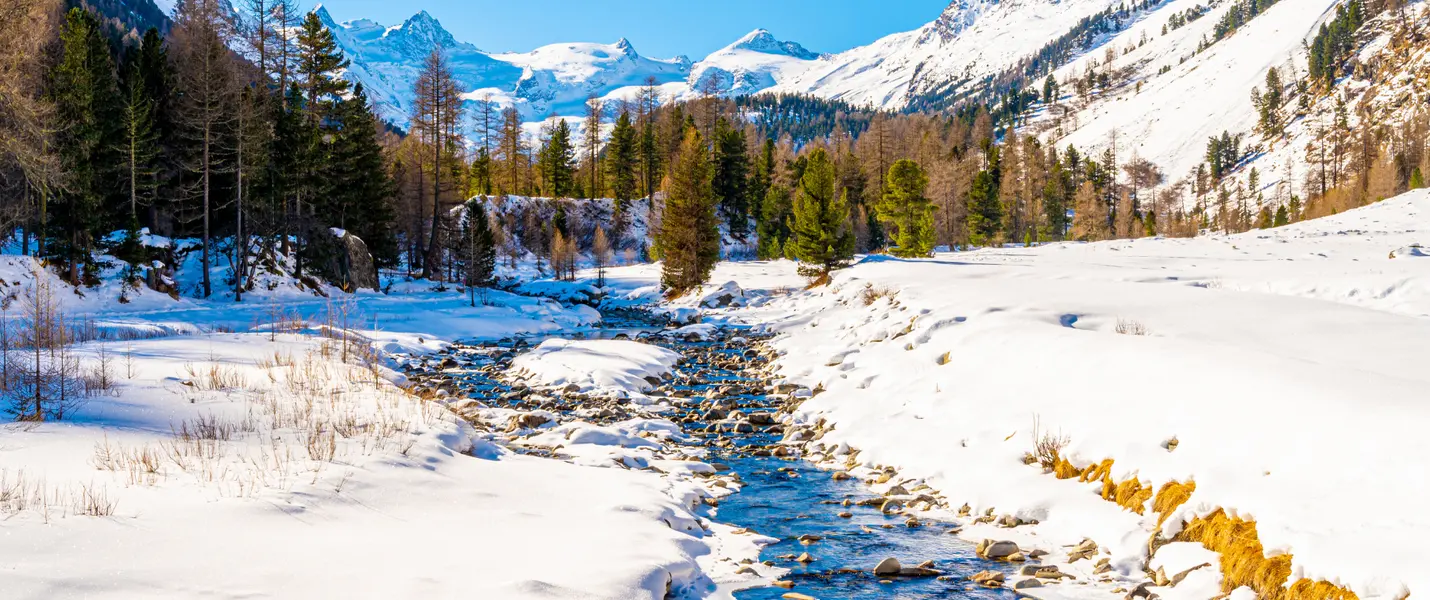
x,y
591,144
823,241
206,111
689,233
436,114
1089,222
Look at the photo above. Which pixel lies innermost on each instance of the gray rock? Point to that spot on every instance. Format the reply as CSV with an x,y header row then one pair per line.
x,y
999,549
888,566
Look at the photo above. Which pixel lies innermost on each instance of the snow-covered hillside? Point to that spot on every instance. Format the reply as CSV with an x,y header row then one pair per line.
x,y
1281,371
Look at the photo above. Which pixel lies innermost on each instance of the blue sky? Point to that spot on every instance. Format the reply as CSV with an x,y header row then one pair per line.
x,y
657,28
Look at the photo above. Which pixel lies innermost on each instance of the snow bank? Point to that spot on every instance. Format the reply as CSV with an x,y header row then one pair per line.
x,y
1288,364
304,476
595,366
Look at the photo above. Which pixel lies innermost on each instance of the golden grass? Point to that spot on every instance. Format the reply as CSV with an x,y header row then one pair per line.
x,y
1129,494
1172,495
1244,561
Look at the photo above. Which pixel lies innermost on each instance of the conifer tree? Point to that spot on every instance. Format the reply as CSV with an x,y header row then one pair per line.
x,y
776,211
478,252
985,212
87,100
907,209
436,112
621,157
359,191
140,144
731,177
591,145
320,61
555,162
1090,214
156,72
689,235
822,239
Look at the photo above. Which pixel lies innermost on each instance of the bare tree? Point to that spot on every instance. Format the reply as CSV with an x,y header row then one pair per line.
x,y
42,374
206,110
436,115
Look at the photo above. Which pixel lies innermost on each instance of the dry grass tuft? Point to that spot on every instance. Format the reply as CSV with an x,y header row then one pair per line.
x,y
1172,495
1129,494
1130,327
871,294
1244,561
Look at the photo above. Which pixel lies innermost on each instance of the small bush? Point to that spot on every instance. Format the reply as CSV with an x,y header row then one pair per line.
x,y
1130,327
871,293
1048,447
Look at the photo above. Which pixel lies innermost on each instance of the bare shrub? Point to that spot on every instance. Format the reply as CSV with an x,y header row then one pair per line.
x,y
92,501
871,293
215,377
42,374
1047,446
1130,327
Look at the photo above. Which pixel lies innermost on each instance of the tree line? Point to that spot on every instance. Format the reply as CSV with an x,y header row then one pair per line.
x,y
259,154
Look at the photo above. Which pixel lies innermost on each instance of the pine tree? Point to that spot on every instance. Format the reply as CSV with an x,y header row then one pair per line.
x,y
985,212
556,159
621,157
689,233
823,241
159,80
776,211
140,144
359,191
906,207
478,252
732,167
86,97
320,62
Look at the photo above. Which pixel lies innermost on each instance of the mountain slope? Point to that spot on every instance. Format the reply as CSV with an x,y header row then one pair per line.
x,y
970,40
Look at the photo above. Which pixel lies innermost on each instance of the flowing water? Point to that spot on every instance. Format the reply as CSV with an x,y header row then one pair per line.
x,y
782,497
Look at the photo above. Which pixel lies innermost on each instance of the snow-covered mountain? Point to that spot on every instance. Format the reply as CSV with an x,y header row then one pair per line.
x,y
554,79
969,40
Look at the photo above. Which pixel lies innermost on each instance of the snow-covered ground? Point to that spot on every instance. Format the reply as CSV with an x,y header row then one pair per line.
x,y
234,458
1287,364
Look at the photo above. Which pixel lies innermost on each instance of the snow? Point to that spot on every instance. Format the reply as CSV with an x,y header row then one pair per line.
x,y
395,514
1288,364
410,497
595,366
1169,120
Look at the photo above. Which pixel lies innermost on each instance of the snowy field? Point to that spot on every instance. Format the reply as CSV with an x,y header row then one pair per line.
x,y
1287,365
1282,371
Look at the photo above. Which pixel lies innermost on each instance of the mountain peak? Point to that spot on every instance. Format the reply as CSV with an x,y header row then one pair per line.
x,y
324,17
761,40
422,30
626,48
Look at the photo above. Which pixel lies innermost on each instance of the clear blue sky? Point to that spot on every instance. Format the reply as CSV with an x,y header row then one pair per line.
x,y
657,28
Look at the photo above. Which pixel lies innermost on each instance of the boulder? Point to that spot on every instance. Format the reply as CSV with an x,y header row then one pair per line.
x,y
997,549
343,259
988,578
888,566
